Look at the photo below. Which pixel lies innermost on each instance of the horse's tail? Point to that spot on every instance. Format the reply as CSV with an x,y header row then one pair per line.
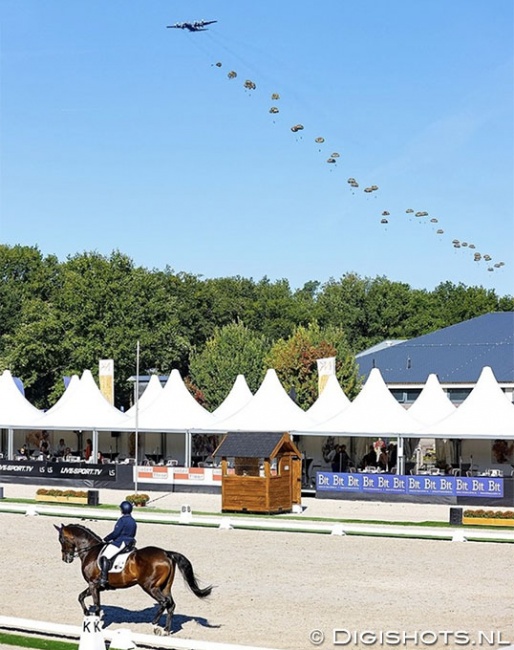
x,y
186,569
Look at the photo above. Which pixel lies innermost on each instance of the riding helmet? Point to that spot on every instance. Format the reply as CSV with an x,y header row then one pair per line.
x,y
126,507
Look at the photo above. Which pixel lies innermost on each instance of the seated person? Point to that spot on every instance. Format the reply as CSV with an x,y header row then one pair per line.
x,y
61,448
370,459
23,452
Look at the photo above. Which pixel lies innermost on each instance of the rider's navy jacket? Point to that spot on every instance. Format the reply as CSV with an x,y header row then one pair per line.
x,y
124,531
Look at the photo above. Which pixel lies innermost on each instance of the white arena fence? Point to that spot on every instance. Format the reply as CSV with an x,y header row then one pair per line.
x,y
33,627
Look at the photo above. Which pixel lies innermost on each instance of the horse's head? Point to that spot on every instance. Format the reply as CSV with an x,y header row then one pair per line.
x,y
68,544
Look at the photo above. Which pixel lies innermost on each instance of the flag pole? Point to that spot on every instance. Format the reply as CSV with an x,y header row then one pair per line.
x,y
136,417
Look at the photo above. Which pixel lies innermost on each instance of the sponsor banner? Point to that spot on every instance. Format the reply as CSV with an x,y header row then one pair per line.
x,y
57,470
179,475
459,486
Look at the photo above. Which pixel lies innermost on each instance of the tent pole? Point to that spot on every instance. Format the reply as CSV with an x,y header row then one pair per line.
x,y
400,463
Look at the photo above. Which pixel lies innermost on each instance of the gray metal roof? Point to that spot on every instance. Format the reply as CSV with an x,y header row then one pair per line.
x,y
248,444
456,354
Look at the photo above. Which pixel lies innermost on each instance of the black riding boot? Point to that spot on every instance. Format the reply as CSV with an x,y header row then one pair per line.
x,y
103,580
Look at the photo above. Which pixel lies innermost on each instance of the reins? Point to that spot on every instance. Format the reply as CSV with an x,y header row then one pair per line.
x,y
85,550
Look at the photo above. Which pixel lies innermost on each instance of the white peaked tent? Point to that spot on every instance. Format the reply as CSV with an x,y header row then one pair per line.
x,y
81,407
486,413
270,409
173,410
15,409
150,394
432,404
374,412
238,398
330,402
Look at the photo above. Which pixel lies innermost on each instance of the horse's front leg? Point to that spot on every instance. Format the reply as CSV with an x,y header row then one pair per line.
x,y
82,597
94,592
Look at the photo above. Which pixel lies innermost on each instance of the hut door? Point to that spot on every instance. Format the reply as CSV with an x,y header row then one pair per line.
x,y
296,480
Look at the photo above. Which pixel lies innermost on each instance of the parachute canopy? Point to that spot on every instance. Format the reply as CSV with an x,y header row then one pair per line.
x,y
232,74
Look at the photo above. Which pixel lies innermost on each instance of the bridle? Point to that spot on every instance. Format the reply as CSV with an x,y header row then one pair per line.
x,y
76,552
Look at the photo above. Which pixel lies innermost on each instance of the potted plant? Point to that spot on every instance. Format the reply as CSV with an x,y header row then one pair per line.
x,y
139,500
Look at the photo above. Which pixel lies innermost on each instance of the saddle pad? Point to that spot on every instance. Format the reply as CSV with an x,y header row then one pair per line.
x,y
119,562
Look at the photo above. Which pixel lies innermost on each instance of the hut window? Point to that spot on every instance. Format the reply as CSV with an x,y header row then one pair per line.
x,y
245,466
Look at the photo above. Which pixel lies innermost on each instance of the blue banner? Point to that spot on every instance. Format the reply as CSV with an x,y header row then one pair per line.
x,y
472,486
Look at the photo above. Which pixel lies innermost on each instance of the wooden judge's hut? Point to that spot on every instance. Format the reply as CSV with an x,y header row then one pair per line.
x,y
261,472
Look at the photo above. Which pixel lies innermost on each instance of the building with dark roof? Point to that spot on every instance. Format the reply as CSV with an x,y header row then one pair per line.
x,y
456,354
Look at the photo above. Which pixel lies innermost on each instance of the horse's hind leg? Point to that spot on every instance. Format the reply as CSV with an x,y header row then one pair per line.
x,y
162,607
170,608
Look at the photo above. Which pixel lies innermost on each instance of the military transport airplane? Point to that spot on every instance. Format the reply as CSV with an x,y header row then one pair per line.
x,y
197,26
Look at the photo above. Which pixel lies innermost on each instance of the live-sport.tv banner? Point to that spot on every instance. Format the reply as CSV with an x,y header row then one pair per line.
x,y
33,469
470,486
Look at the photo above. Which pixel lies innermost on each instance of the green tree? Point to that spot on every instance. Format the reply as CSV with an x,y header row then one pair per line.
x,y
295,361
232,350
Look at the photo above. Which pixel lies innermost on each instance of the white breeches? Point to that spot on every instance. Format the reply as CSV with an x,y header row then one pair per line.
x,y
111,550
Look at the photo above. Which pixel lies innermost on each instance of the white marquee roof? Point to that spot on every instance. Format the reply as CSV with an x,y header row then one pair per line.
x,y
330,402
432,404
238,398
15,409
487,412
374,412
81,407
173,410
270,409
151,392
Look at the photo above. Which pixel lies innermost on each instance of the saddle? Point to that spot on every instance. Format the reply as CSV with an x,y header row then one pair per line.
x,y
117,563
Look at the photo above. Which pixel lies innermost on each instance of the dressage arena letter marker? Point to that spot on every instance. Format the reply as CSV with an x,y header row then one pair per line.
x,y
91,637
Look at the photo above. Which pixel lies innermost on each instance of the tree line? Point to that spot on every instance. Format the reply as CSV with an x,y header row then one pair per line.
x,y
59,318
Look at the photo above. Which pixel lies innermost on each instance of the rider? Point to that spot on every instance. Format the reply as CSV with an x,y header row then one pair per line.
x,y
123,535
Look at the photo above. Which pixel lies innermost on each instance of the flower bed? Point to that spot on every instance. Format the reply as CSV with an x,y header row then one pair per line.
x,y
488,517
62,496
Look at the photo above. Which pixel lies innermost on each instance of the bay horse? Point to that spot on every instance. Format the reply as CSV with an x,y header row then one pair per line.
x,y
152,568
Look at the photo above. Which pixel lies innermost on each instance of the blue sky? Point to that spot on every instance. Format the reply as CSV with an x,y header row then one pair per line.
x,y
119,134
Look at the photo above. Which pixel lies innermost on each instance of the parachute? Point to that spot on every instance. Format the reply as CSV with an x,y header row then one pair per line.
x,y
232,74
273,110
219,64
434,220
440,231
249,85
319,140
409,211
335,155
275,96
384,221
296,128
331,160
385,213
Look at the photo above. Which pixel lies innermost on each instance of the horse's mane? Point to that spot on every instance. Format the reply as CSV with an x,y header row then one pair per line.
x,y
86,531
